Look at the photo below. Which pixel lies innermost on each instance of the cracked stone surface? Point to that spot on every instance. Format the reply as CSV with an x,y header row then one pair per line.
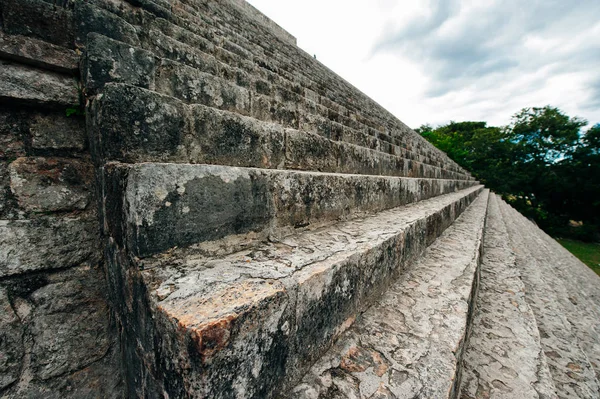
x,y
568,320
287,300
408,343
171,205
504,357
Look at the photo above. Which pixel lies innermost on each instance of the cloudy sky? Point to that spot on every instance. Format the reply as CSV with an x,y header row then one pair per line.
x,y
432,61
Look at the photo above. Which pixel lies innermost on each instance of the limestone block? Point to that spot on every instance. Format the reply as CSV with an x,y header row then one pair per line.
x,y
172,205
38,53
155,40
57,132
11,342
8,204
47,243
108,60
194,86
39,19
51,184
13,126
227,138
128,121
311,152
68,323
93,19
69,345
31,85
179,205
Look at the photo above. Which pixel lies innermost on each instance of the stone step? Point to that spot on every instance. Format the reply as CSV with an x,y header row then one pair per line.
x,y
200,52
289,62
167,205
568,323
408,344
159,128
504,357
192,86
248,323
21,84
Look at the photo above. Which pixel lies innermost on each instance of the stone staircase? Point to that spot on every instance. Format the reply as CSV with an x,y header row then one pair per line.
x,y
272,232
268,231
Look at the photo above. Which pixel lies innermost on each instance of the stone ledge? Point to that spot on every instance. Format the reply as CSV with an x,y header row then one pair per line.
x,y
409,343
171,205
504,354
47,243
251,319
23,84
38,53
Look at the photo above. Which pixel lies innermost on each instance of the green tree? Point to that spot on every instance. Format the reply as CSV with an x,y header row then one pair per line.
x,y
542,163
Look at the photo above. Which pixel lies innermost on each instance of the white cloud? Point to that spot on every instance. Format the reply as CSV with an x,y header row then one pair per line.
x,y
440,60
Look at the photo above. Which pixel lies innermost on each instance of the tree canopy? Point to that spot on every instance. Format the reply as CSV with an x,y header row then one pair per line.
x,y
544,163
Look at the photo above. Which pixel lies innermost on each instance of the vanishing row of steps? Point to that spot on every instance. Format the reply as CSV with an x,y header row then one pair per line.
x,y
192,65
232,282
240,244
537,322
490,310
272,232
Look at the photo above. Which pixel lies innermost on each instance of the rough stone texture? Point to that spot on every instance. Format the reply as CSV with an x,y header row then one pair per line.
x,y
58,340
209,41
504,358
57,132
47,243
12,132
108,60
94,19
38,53
179,205
38,19
566,313
248,9
160,128
11,342
409,342
51,184
229,281
285,301
29,85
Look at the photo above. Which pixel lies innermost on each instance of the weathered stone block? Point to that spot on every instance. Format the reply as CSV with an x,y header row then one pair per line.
x,y
93,19
57,132
47,243
181,205
51,184
229,139
30,85
13,128
8,204
160,206
154,125
307,151
64,325
193,86
11,342
108,60
166,47
39,19
38,53
68,323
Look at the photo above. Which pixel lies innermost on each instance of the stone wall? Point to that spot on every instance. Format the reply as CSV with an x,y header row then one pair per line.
x,y
57,336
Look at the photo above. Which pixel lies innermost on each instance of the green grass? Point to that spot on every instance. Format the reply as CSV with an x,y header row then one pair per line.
x,y
588,253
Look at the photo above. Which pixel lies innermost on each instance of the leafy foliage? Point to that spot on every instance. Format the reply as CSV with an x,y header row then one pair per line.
x,y
543,163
